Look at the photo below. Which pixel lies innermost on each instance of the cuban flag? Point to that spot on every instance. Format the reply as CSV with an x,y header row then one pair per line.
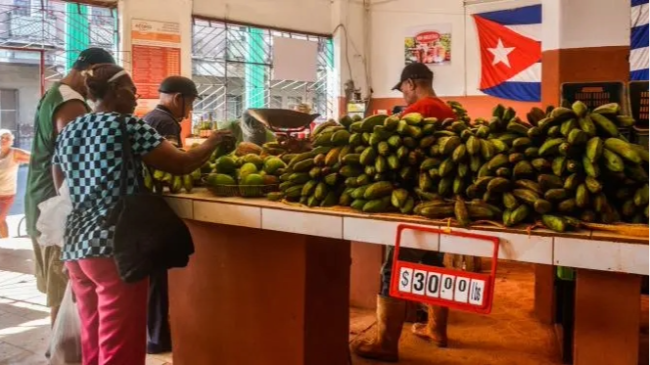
x,y
639,40
511,53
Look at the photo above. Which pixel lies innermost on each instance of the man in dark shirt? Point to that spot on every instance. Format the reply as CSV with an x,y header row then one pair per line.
x,y
177,96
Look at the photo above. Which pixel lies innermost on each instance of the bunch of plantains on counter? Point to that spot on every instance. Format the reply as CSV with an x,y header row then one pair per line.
x,y
156,180
562,167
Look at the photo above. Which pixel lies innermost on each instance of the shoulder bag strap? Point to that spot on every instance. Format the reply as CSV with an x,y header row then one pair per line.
x,y
127,160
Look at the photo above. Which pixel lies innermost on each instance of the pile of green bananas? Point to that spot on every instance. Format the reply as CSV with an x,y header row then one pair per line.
x,y
560,166
549,168
157,180
312,178
459,110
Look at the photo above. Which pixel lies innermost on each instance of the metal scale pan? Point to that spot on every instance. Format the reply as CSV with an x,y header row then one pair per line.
x,y
286,124
284,121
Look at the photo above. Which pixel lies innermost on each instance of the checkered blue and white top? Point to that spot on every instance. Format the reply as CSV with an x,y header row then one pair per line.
x,y
89,151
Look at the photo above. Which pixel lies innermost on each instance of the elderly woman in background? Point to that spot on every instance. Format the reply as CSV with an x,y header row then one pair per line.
x,y
10,159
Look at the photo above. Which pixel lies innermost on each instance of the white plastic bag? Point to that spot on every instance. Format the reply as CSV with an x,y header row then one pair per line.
x,y
54,213
65,344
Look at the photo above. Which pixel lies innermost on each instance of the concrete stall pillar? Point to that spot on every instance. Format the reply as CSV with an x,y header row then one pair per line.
x,y
588,41
350,62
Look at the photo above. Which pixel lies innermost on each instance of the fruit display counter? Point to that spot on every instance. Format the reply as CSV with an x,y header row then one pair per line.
x,y
270,282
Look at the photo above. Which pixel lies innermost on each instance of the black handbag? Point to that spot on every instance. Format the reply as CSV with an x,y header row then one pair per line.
x,y
149,236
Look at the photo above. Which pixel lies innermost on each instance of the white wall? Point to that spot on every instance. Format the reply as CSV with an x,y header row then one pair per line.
x,y
389,24
300,15
608,24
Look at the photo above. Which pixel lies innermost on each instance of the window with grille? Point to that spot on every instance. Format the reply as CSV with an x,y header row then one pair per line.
x,y
276,102
22,7
60,29
101,16
9,109
232,67
234,106
236,46
294,101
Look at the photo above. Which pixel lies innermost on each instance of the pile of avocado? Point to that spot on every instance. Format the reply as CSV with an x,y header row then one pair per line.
x,y
247,176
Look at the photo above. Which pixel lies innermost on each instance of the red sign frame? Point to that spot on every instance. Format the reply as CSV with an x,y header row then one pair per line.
x,y
488,280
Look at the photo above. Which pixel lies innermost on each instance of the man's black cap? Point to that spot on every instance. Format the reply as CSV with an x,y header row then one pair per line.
x,y
92,56
179,85
414,71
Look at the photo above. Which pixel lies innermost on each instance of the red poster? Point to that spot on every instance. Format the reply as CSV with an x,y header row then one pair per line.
x,y
151,65
155,54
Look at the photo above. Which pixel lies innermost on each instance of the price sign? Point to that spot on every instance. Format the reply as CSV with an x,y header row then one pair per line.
x,y
441,286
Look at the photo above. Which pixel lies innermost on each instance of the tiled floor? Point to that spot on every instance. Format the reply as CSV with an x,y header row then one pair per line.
x,y
24,320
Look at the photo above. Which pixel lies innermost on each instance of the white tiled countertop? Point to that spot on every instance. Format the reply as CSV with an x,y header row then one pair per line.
x,y
582,249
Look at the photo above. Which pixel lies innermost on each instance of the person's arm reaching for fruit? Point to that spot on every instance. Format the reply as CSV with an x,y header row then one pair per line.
x,y
167,157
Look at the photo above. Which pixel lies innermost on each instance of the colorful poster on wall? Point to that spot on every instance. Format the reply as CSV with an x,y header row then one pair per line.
x,y
155,54
429,44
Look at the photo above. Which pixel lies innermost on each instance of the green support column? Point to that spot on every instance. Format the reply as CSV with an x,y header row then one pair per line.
x,y
77,32
255,81
331,81
116,38
330,55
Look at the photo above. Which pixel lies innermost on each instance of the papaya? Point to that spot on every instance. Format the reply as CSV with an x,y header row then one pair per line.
x,y
247,169
226,165
217,179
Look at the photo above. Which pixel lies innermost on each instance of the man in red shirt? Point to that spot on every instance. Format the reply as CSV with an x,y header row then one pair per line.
x,y
417,90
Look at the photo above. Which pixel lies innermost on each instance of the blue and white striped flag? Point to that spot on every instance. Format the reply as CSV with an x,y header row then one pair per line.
x,y
639,41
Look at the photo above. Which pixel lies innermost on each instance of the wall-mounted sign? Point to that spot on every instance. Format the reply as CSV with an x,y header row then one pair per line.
x,y
429,44
155,54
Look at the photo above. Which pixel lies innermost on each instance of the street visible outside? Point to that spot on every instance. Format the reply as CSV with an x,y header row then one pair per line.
x,y
19,203
17,211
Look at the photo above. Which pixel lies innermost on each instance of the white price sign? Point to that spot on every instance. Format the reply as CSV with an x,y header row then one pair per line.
x,y
453,288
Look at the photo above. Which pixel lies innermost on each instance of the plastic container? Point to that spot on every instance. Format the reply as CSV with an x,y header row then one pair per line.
x,y
640,137
639,108
637,103
593,94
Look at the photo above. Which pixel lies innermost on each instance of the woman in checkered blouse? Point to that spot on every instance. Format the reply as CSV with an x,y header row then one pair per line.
x,y
88,155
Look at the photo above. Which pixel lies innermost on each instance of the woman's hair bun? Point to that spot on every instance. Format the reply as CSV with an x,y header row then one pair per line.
x,y
96,79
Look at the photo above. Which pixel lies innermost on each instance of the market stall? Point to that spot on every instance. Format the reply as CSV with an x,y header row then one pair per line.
x,y
562,188
285,271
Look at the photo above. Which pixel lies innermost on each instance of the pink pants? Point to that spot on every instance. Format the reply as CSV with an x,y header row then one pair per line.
x,y
113,313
